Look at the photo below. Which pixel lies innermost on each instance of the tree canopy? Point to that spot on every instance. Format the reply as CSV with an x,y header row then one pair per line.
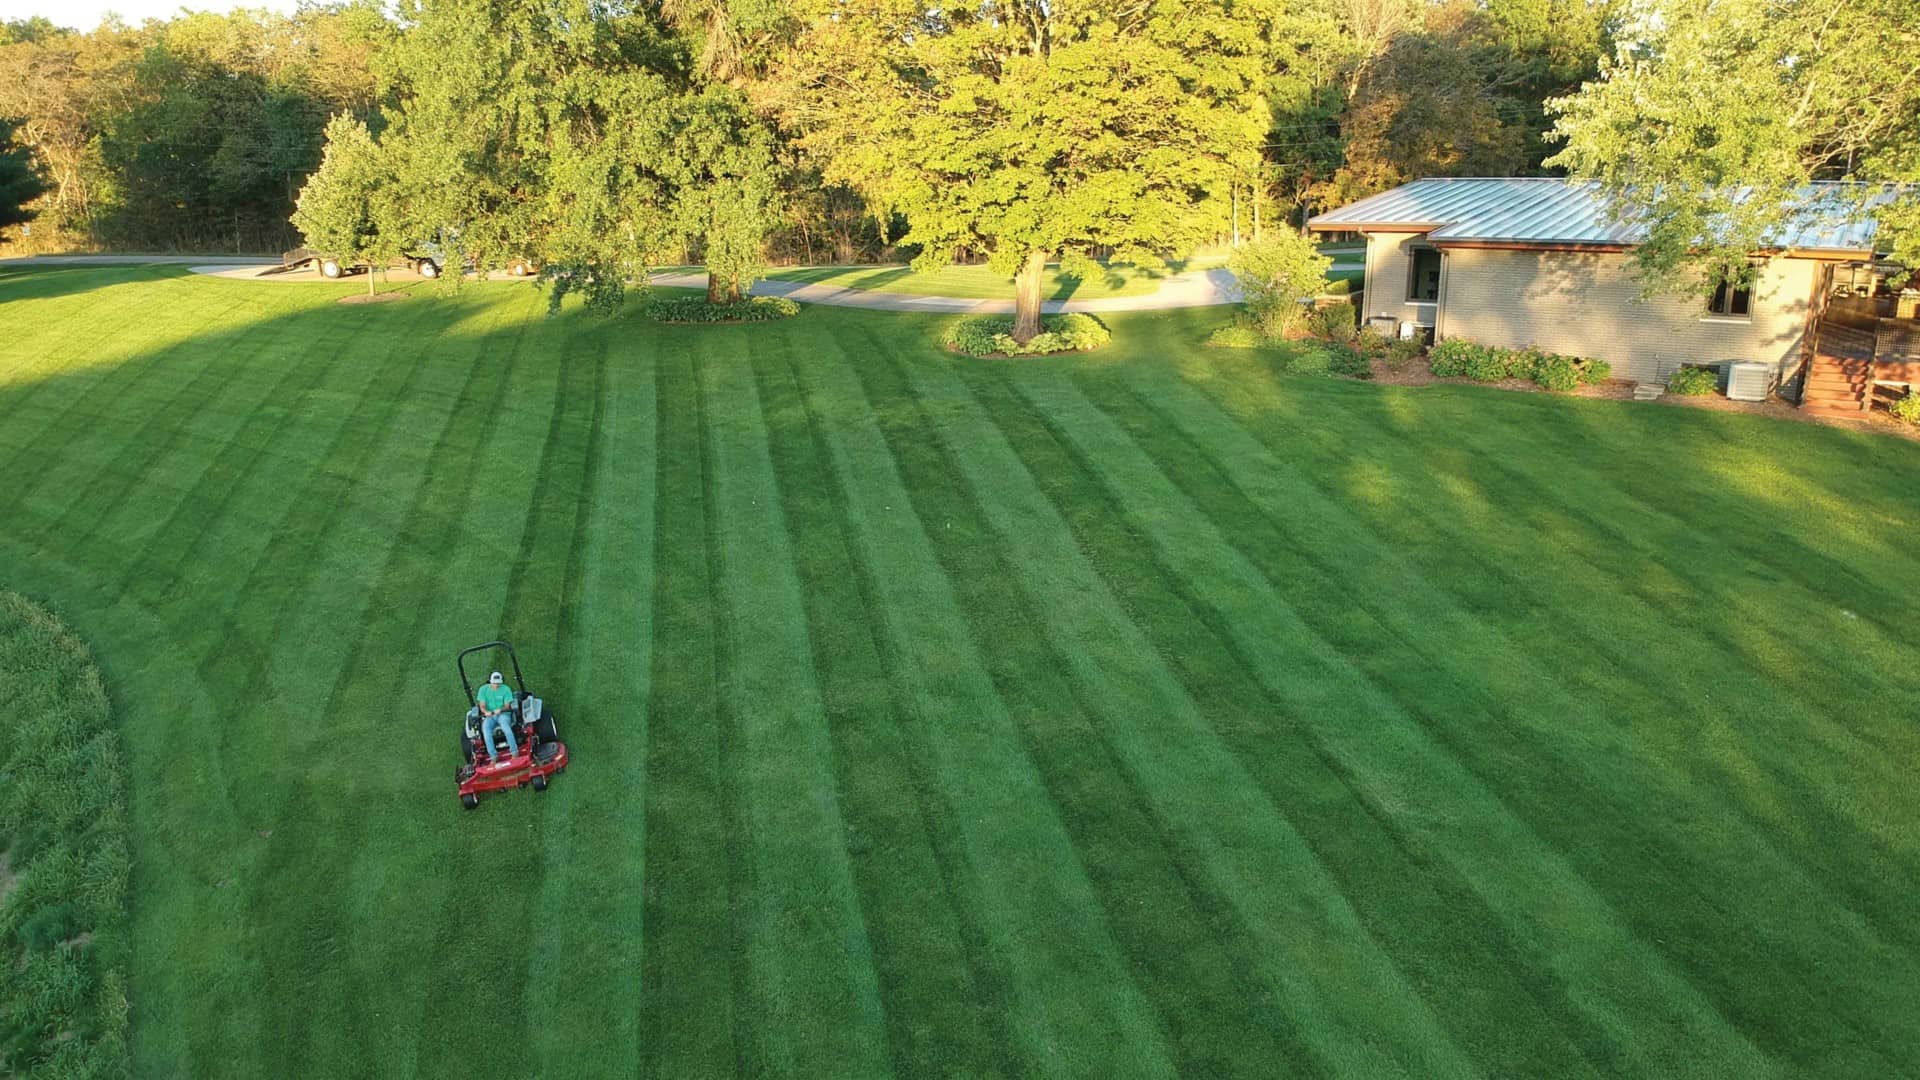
x,y
1713,115
1030,129
349,208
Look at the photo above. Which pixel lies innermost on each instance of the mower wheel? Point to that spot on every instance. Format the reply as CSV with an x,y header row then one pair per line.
x,y
466,748
546,727
540,783
469,801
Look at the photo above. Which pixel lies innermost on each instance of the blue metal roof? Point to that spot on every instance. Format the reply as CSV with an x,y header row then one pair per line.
x,y
1549,210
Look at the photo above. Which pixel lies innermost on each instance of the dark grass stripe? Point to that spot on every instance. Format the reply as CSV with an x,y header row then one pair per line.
x,y
1173,758
585,987
688,1023
809,962
1550,809
945,998
1531,887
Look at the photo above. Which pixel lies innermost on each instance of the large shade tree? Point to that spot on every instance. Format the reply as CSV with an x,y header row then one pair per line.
x,y
1031,129
726,187
1714,114
531,131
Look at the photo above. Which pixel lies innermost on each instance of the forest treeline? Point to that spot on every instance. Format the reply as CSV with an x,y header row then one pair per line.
x,y
197,133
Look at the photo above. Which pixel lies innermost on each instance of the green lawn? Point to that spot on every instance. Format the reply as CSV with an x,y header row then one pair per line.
x,y
1127,715
981,283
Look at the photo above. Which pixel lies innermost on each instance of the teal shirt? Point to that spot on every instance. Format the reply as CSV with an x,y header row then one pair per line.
x,y
494,698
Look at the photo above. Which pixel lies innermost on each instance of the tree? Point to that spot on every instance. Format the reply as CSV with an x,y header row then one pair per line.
x,y
1275,273
1706,125
727,193
535,131
20,183
347,210
1030,129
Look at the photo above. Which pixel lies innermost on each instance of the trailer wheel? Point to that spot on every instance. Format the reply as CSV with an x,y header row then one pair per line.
x,y
428,268
329,268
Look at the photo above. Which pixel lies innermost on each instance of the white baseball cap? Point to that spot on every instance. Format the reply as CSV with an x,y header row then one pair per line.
x,y
495,677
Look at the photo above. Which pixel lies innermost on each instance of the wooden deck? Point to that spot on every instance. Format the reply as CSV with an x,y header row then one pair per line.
x,y
1851,356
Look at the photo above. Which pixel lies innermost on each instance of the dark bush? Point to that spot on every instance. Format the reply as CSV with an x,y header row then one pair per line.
x,y
1326,358
992,335
1556,373
695,309
1335,322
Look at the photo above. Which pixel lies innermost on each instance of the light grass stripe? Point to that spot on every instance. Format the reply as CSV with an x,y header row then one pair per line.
x,y
1074,1008
1664,1024
810,965
1352,1006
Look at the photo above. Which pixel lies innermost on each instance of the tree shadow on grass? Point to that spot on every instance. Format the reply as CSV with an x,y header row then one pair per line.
x,y
37,282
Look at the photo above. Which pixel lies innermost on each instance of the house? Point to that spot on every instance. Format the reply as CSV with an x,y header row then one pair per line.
x,y
1539,261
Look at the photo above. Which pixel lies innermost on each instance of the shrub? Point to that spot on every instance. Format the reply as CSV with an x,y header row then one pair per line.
x,y
1402,351
1693,381
1449,358
992,335
1276,273
1457,357
1326,358
695,309
1335,322
1907,409
1236,337
1556,373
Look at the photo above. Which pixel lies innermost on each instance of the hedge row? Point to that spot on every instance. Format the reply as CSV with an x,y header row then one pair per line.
x,y
696,309
1487,363
63,857
990,335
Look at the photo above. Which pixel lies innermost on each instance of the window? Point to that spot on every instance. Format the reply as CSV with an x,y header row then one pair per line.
x,y
1423,281
1730,301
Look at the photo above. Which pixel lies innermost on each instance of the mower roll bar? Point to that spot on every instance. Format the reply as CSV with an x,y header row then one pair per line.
x,y
460,661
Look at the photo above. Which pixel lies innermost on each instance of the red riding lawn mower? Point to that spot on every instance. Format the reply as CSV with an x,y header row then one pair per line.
x,y
539,755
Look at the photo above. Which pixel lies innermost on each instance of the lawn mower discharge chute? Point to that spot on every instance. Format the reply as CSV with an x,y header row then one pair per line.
x,y
539,753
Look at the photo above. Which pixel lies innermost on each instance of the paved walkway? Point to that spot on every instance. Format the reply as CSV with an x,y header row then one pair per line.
x,y
1199,288
1195,288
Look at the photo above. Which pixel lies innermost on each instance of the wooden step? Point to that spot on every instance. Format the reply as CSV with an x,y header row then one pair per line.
x,y
1813,393
1857,386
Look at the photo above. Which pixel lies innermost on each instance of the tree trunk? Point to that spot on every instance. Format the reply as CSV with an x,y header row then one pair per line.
x,y
1026,297
370,273
714,289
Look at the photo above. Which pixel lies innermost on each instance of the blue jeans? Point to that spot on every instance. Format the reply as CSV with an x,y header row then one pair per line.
x,y
504,720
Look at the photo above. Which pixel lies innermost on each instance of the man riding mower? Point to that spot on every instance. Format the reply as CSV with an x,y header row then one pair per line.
x,y
510,739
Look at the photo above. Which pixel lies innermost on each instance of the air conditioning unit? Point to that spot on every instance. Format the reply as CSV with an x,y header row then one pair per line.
x,y
1749,380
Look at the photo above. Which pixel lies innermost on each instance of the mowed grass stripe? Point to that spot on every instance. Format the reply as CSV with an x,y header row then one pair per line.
x,y
1661,1021
691,946
1731,872
280,440
1238,835
1507,1015
809,964
946,992
229,657
438,540
585,987
1072,999
1179,949
1276,519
